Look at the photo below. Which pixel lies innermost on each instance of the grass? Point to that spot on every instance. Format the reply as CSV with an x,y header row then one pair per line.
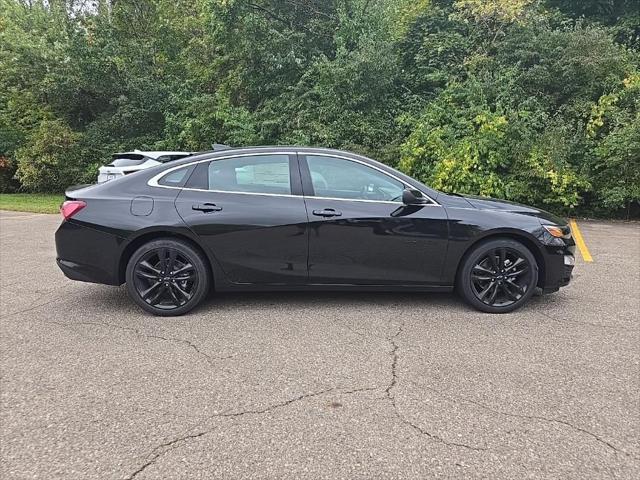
x,y
31,202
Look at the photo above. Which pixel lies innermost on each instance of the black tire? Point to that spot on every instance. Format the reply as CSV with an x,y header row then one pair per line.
x,y
168,277
498,276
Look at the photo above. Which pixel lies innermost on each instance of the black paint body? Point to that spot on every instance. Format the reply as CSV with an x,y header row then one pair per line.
x,y
256,241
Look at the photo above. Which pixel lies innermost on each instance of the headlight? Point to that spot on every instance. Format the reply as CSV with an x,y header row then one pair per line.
x,y
557,231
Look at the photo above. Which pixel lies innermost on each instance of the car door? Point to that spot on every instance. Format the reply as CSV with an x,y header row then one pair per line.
x,y
360,231
249,212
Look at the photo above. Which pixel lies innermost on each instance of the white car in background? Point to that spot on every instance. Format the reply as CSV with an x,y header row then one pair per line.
x,y
129,162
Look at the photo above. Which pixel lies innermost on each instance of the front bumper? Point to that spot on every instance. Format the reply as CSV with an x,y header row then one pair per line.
x,y
88,254
558,268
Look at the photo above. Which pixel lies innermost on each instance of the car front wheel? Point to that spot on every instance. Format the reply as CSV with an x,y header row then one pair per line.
x,y
498,276
167,277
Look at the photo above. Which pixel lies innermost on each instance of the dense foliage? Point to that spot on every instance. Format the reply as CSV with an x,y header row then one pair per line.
x,y
530,100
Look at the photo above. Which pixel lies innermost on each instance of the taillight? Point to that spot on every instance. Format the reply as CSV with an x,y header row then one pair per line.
x,y
69,208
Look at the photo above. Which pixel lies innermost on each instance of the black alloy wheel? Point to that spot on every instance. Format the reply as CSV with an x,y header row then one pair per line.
x,y
499,276
167,277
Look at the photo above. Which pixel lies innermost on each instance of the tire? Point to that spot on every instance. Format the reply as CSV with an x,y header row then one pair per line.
x,y
503,266
168,277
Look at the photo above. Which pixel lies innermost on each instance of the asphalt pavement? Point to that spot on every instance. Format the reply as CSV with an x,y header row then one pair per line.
x,y
317,385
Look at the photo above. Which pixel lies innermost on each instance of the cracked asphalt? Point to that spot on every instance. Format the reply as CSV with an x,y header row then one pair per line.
x,y
317,385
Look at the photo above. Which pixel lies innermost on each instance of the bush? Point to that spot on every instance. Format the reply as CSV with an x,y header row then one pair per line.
x,y
614,127
50,161
8,184
462,144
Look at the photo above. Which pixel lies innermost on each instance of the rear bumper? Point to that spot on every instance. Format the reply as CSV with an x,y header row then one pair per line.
x,y
84,273
88,254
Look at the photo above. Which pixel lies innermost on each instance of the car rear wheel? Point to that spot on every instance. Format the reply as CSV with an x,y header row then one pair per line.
x,y
167,277
498,276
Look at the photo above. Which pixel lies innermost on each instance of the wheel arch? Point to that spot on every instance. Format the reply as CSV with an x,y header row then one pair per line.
x,y
517,235
149,235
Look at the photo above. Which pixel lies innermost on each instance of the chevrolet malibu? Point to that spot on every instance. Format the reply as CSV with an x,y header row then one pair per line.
x,y
293,218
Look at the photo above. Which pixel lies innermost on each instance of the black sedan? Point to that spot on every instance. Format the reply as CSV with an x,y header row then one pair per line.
x,y
292,218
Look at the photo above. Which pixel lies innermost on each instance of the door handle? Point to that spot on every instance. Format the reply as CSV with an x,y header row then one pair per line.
x,y
206,207
327,212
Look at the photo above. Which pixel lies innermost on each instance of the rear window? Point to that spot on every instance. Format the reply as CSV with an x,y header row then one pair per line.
x,y
169,158
177,178
251,174
128,161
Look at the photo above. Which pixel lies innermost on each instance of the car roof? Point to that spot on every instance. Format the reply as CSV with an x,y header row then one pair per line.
x,y
274,148
213,154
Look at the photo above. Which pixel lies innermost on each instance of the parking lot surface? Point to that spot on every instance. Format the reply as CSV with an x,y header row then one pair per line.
x,y
317,385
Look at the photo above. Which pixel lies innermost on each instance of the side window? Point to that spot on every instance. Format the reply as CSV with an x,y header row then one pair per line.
x,y
176,178
251,174
339,178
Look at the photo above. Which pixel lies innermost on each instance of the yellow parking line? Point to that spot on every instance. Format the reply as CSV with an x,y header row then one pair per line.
x,y
577,235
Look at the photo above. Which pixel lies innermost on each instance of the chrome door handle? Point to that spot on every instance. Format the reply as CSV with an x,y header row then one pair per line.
x,y
327,212
206,207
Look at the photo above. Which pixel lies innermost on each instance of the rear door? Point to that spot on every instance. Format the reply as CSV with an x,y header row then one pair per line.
x,y
360,231
249,211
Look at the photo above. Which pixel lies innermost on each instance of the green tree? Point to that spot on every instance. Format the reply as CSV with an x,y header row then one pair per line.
x,y
614,127
522,99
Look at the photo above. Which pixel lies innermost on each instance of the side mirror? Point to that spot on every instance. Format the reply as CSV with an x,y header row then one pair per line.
x,y
411,196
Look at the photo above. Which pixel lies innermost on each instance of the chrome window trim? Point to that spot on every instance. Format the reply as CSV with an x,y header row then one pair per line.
x,y
357,200
153,181
229,191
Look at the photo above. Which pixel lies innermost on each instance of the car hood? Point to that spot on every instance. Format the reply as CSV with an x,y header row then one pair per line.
x,y
488,203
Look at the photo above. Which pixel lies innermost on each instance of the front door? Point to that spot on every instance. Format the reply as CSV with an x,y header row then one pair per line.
x,y
360,231
249,212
